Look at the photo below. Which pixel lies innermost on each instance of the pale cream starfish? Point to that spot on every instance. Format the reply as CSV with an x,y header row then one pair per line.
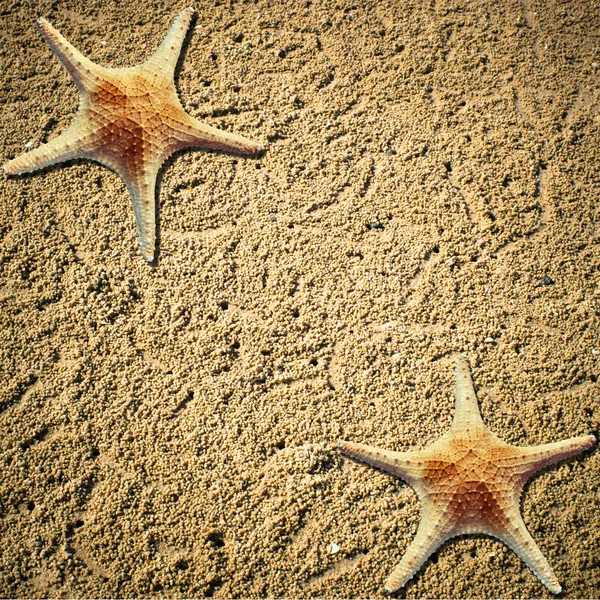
x,y
130,120
469,481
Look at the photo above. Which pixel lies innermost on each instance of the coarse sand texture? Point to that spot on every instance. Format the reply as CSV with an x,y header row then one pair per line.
x,y
469,481
130,120
429,190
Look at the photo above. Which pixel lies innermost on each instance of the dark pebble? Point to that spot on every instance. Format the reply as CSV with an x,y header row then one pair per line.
x,y
375,225
547,280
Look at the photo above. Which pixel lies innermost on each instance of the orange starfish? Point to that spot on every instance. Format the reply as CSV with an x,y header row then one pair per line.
x,y
130,120
469,481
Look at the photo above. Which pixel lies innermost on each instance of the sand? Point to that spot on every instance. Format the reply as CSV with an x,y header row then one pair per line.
x,y
429,188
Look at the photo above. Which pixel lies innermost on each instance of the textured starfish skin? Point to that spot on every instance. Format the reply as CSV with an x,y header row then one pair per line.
x,y
469,481
130,120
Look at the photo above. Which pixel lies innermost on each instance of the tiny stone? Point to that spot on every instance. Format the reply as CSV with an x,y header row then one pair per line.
x,y
334,548
376,224
547,280
390,152
489,340
272,216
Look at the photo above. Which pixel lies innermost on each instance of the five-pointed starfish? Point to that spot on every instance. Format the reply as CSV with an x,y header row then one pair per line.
x,y
469,481
130,120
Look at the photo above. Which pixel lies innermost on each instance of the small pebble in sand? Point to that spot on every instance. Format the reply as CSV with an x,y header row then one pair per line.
x,y
547,280
376,224
333,548
489,340
28,144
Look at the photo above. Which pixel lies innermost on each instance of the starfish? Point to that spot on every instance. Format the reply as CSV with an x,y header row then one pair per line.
x,y
130,120
469,481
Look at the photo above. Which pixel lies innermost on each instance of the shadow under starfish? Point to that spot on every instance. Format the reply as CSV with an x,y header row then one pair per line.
x,y
130,120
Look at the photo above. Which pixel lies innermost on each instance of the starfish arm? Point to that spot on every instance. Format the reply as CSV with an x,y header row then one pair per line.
x,y
432,533
83,71
520,541
64,147
164,60
142,191
200,135
467,415
538,457
406,465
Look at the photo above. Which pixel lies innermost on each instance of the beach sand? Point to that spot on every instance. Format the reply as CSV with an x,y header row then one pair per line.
x,y
429,187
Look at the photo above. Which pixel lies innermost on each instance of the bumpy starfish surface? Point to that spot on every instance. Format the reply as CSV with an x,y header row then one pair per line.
x,y
130,120
469,481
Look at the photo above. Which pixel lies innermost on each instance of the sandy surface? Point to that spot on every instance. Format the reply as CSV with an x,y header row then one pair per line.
x,y
430,187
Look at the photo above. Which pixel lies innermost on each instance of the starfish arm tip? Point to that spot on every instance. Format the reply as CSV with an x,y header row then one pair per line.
x,y
467,414
142,191
245,146
355,451
146,234
14,166
550,581
583,443
79,67
396,581
555,588
461,359
539,457
44,26
148,255
399,578
205,136
462,364
164,60
187,12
